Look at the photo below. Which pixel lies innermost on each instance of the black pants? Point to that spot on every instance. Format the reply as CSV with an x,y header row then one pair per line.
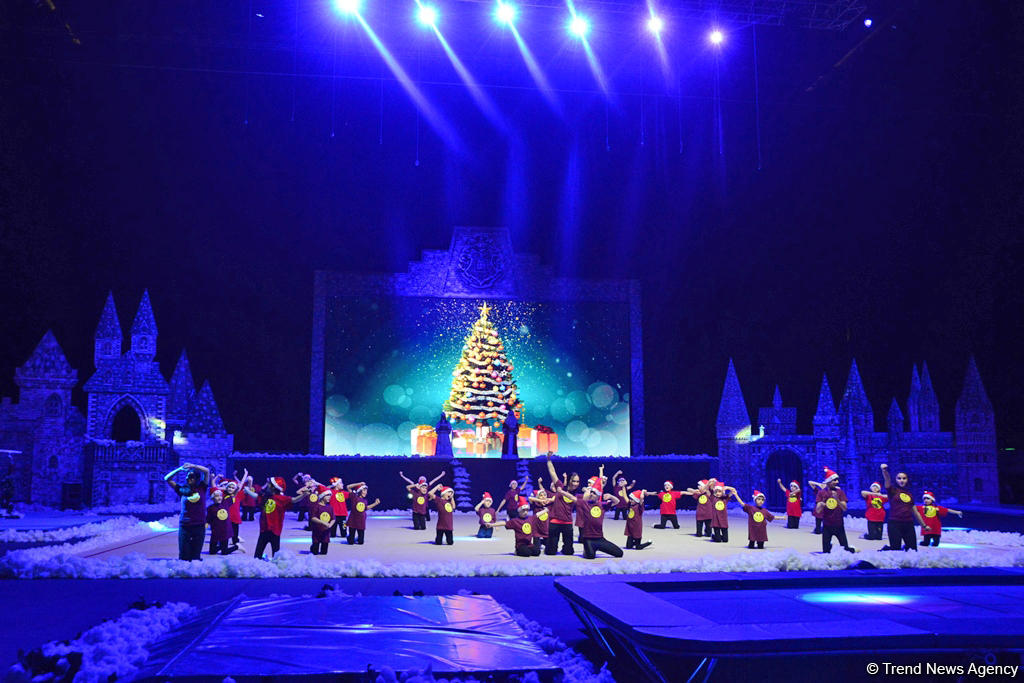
x,y
419,520
302,514
817,525
902,536
875,531
234,534
355,536
591,546
620,513
556,532
338,528
319,547
222,547
528,550
248,514
635,543
828,532
261,544
190,541
930,539
665,519
446,534
792,522
704,527
760,545
719,534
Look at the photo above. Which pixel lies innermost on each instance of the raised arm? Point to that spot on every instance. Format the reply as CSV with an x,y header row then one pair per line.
x,y
437,478
406,479
355,487
296,478
540,485
170,475
375,503
434,490
736,495
885,476
551,468
500,506
478,505
816,484
782,486
614,500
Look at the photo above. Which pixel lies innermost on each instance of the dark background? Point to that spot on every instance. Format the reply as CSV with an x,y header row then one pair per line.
x,y
219,158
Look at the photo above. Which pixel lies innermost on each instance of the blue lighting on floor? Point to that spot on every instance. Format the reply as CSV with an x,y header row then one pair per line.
x,y
389,517
857,598
160,528
957,546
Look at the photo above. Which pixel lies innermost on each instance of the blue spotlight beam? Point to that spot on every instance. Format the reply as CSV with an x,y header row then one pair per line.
x,y
535,71
580,27
475,91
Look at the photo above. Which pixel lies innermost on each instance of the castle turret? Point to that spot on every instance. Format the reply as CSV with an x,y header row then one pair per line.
x,y
975,437
928,403
733,428
894,421
777,420
183,391
826,421
854,408
143,332
204,439
109,337
913,401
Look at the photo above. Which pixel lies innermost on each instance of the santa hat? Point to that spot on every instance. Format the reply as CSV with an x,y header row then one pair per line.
x,y
928,494
513,483
830,475
595,483
758,494
875,483
278,483
720,485
637,495
445,489
363,487
795,482
668,482
621,480
333,480
326,492
523,503
703,482
487,495
421,480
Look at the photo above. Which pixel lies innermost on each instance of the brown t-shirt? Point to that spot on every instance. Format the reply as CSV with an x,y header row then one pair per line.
x,y
703,499
901,504
833,513
591,516
356,511
445,508
543,515
525,529
486,515
757,522
720,512
419,502
635,520
561,511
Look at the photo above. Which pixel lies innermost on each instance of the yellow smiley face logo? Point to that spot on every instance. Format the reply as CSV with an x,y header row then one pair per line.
x,y
905,497
194,498
222,514
448,507
667,497
487,517
631,514
421,500
595,511
542,515
876,503
360,506
792,499
269,506
703,499
312,498
930,511
831,503
325,517
340,497
527,529
720,505
758,517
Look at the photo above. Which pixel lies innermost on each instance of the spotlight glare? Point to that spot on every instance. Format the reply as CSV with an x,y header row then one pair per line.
x,y
579,26
716,37
506,14
868,22
427,15
348,6
655,25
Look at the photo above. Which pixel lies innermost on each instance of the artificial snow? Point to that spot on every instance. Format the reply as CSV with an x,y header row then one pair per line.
x,y
109,526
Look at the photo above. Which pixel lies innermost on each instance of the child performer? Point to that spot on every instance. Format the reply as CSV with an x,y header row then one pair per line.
x,y
932,514
338,506
250,504
815,511
902,512
524,527
757,520
635,519
302,505
357,511
445,507
423,485
540,504
591,507
274,503
192,520
831,502
233,494
874,512
486,513
668,498
561,511
218,516
321,521
621,485
794,503
511,500
702,495
720,512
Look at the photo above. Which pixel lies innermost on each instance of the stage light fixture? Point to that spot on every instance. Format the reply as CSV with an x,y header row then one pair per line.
x,y
506,13
868,22
348,6
427,15
655,25
716,37
579,26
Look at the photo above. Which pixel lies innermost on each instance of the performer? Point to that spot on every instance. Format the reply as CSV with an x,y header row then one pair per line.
x,y
523,525
815,511
831,502
250,504
540,504
357,511
321,521
274,503
668,498
511,500
635,519
192,520
420,507
444,437
757,520
902,512
445,504
218,516
486,513
338,506
509,435
561,510
301,480
874,511
702,495
719,512
591,506
794,503
233,494
932,514
620,485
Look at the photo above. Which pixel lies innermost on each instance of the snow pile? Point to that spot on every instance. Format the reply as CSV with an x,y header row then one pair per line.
x,y
114,649
859,525
137,508
576,667
60,535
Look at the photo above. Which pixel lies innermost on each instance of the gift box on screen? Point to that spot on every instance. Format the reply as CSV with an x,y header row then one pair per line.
x,y
494,441
478,448
462,438
415,433
544,440
426,444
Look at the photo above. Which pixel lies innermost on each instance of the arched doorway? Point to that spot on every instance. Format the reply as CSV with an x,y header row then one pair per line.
x,y
785,465
126,425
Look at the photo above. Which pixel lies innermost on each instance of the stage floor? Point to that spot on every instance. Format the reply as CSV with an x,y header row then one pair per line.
x,y
391,540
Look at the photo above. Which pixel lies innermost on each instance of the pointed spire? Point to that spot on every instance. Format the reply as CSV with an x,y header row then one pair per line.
x,y
854,402
913,400
894,419
927,403
183,390
732,409
144,322
777,398
203,416
973,396
46,362
826,404
110,326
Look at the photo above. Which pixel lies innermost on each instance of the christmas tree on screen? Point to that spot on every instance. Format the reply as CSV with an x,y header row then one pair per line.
x,y
482,384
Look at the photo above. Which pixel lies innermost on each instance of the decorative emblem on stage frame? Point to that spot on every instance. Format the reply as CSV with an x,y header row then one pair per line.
x,y
478,264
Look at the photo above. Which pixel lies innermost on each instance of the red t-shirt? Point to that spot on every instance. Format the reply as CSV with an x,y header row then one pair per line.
x,y
486,515
901,504
445,508
338,506
875,510
932,516
833,513
218,515
561,510
249,501
272,519
524,529
720,512
419,502
356,513
591,515
235,507
703,499
757,522
668,501
635,520
542,514
794,503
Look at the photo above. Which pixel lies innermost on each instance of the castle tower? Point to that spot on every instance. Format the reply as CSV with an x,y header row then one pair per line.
x,y
826,420
855,410
975,435
143,332
733,430
927,404
894,423
777,420
203,438
913,400
109,338
183,391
